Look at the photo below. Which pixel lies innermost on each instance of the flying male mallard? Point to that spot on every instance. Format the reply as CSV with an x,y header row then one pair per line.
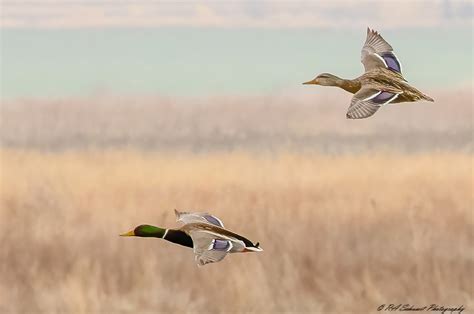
x,y
381,84
204,233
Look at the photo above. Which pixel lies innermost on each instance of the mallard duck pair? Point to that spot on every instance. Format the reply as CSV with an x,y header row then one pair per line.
x,y
204,233
380,85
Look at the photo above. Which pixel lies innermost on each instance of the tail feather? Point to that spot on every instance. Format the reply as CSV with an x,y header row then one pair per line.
x,y
426,97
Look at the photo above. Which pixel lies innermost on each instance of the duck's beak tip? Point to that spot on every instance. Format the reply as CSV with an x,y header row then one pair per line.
x,y
128,234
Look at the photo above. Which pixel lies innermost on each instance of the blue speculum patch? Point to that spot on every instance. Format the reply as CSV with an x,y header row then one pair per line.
x,y
392,62
213,220
382,97
221,245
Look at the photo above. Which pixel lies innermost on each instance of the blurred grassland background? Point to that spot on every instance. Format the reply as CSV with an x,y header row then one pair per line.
x,y
340,234
350,214
306,119
115,113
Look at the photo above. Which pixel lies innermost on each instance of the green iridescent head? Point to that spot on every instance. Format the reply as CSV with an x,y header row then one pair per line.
x,y
145,231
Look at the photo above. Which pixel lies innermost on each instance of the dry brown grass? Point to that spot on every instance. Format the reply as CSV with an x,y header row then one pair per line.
x,y
340,234
311,119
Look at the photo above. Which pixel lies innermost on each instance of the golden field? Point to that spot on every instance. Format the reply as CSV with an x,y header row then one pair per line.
x,y
350,214
340,233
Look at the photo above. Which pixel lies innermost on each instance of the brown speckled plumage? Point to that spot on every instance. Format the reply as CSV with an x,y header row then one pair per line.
x,y
381,84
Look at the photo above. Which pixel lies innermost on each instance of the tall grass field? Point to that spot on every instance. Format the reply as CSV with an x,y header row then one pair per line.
x,y
340,233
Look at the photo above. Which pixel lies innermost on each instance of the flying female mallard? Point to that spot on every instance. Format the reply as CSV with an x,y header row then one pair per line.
x,y
381,84
204,233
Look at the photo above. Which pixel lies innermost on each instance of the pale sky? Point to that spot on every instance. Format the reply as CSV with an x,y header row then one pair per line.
x,y
266,14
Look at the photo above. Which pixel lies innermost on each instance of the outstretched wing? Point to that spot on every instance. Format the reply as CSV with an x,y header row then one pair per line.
x,y
187,218
367,101
378,53
210,248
